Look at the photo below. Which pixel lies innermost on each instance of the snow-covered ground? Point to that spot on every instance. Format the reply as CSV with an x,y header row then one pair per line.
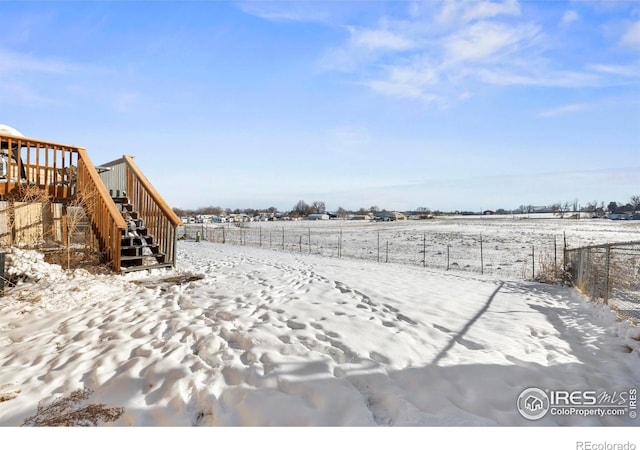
x,y
249,336
504,246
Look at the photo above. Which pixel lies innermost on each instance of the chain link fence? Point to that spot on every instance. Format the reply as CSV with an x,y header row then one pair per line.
x,y
608,273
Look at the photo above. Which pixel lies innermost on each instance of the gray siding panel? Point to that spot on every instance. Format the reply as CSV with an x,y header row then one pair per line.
x,y
115,179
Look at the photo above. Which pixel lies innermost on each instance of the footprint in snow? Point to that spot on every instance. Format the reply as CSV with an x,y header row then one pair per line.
x,y
296,325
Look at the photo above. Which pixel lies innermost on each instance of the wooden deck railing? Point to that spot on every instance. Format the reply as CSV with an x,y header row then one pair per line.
x,y
66,173
105,217
158,217
32,162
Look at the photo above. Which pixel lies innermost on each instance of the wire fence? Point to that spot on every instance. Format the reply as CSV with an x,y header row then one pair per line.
x,y
609,273
491,253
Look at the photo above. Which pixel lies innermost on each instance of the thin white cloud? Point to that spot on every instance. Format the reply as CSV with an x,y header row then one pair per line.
x,y
350,140
631,36
19,93
629,70
484,40
365,45
16,71
383,40
564,110
405,90
536,74
12,63
485,10
455,11
126,102
309,11
440,49
569,17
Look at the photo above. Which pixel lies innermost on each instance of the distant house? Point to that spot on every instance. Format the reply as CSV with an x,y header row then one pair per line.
x,y
488,212
618,215
318,217
420,216
361,217
239,218
541,209
389,216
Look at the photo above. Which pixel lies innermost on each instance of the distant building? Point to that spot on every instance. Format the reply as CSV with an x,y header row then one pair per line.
x,y
389,216
318,217
618,215
361,217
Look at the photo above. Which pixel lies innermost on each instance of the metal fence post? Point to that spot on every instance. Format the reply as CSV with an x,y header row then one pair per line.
x,y
448,255
533,262
2,272
606,274
555,256
481,257
424,250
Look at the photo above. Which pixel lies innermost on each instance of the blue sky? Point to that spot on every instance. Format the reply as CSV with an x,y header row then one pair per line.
x,y
453,105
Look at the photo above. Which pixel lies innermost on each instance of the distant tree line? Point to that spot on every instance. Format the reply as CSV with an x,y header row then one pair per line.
x,y
303,209
218,211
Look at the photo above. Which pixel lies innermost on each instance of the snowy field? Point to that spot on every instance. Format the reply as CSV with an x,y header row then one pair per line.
x,y
243,336
504,246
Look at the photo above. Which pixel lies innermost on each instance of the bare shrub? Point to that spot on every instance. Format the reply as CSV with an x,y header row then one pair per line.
x,y
24,193
550,271
28,193
6,396
73,411
75,216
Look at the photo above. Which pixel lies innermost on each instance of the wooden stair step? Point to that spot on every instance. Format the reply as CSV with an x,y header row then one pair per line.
x,y
129,247
143,238
131,258
132,255
149,267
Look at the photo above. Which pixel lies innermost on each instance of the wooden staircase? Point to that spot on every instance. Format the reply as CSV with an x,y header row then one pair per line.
x,y
133,232
138,248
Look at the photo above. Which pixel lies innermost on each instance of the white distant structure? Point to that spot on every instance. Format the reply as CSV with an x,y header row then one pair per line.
x,y
318,217
390,216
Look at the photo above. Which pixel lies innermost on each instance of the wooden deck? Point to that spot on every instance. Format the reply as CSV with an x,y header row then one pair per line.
x,y
67,174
